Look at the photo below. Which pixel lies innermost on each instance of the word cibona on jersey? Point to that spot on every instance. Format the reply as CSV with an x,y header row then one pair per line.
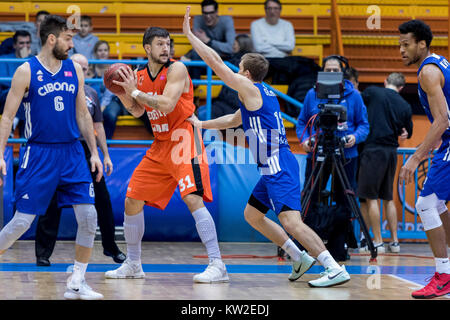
x,y
50,104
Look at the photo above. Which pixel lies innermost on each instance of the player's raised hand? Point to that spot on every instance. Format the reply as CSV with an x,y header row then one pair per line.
x,y
97,164
2,169
129,79
187,21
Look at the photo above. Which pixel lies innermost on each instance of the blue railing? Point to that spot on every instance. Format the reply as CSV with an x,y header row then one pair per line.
x,y
209,82
407,230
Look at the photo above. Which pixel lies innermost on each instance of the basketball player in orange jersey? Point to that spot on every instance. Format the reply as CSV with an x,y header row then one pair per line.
x,y
163,89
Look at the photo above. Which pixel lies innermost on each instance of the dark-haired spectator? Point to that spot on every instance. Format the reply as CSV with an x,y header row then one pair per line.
x,y
21,45
36,44
84,41
216,31
227,101
7,45
353,75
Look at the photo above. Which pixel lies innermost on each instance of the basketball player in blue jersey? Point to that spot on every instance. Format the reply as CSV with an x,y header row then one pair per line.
x,y
433,78
51,87
279,187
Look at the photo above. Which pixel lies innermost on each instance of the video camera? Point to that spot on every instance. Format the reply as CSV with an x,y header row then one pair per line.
x,y
331,117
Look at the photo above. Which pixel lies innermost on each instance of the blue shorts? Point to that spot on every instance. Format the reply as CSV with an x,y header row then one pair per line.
x,y
438,176
281,189
46,168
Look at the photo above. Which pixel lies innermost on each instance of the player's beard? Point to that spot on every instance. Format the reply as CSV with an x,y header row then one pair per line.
x,y
59,53
160,59
414,60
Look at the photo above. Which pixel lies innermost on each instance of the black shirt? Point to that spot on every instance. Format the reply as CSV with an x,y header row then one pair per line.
x,y
387,113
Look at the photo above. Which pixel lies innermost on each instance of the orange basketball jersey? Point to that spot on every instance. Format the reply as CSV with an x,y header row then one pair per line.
x,y
163,124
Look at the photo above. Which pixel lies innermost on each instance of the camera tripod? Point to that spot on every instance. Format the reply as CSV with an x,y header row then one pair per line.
x,y
331,147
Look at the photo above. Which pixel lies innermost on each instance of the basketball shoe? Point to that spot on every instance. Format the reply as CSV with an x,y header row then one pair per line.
x,y
438,286
331,277
301,266
128,270
214,272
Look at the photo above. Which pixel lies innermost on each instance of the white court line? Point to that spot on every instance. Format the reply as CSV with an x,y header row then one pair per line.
x,y
415,285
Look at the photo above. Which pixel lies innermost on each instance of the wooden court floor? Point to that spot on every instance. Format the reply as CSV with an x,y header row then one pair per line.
x,y
254,270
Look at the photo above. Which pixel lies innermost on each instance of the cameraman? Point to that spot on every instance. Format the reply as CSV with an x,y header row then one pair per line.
x,y
356,132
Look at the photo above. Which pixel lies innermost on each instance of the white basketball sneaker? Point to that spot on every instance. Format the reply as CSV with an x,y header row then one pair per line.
x,y
84,292
331,277
214,272
128,270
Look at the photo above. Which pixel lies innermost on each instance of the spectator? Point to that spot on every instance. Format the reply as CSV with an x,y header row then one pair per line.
x,y
352,74
356,132
272,36
389,117
7,45
84,41
228,101
36,44
214,30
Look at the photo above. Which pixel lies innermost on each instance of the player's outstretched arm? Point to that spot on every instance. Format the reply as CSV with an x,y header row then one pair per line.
x,y
19,85
85,124
247,91
224,122
431,81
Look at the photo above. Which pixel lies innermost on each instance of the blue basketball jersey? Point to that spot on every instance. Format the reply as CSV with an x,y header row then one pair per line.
x,y
50,104
443,64
265,130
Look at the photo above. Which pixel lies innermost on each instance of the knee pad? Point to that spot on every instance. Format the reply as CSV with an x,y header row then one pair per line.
x,y
429,208
20,223
86,216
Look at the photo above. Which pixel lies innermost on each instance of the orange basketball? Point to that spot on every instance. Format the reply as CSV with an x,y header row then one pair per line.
x,y
112,74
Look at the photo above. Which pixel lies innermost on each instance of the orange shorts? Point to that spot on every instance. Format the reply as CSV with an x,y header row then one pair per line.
x,y
168,164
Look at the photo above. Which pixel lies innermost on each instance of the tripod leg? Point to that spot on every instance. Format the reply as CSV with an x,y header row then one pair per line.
x,y
308,190
353,204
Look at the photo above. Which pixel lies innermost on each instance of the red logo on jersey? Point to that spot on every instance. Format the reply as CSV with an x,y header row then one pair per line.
x,y
67,73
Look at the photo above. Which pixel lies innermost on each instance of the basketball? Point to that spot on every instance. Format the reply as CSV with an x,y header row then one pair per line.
x,y
112,74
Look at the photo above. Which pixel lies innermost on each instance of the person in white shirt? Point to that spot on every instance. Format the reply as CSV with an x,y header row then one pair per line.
x,y
272,36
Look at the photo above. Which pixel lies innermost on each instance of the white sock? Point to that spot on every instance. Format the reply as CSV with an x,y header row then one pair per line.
x,y
133,229
80,268
442,265
327,260
292,250
206,229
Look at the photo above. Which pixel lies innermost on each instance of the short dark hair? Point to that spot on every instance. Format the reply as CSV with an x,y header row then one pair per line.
x,y
210,3
276,1
52,24
42,12
20,33
245,43
87,18
419,29
153,32
256,64
351,73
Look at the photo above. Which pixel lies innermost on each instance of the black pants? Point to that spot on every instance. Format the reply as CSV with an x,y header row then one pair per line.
x,y
47,226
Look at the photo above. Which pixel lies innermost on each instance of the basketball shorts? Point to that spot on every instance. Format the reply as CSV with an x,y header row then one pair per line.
x,y
279,191
377,172
168,164
438,176
46,168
